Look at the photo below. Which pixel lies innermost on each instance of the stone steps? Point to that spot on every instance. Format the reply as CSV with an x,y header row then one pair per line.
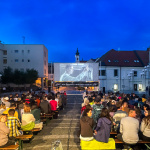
x,y
64,128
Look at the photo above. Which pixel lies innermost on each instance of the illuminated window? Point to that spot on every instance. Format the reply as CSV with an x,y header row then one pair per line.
x,y
140,87
115,86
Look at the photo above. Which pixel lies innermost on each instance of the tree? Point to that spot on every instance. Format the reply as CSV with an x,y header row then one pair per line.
x,y
19,77
7,76
31,76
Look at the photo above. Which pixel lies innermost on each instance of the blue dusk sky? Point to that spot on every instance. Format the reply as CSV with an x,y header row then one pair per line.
x,y
95,27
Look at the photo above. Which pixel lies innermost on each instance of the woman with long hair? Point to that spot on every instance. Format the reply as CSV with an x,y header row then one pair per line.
x,y
145,126
86,125
103,128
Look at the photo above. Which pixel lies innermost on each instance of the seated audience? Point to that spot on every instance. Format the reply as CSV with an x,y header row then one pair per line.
x,y
125,107
36,113
2,108
12,106
28,120
129,128
4,131
103,128
45,106
13,124
145,127
86,125
97,107
118,115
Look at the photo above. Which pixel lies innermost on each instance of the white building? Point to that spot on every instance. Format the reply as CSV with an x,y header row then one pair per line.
x,y
25,56
123,71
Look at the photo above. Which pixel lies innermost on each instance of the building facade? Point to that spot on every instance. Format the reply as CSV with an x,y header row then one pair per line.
x,y
124,71
25,56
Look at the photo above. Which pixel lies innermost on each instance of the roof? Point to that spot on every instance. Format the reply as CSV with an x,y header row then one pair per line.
x,y
135,58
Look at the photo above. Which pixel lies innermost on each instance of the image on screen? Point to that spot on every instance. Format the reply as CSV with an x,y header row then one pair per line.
x,y
76,72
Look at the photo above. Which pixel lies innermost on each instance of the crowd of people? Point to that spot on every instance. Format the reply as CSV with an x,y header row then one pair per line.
x,y
126,114
23,113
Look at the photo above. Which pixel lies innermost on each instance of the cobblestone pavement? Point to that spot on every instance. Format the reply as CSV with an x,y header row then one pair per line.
x,y
64,128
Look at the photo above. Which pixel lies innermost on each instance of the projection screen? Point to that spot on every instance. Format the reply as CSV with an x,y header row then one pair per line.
x,y
75,72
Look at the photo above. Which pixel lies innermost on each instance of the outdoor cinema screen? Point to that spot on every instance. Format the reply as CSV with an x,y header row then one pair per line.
x,y
76,72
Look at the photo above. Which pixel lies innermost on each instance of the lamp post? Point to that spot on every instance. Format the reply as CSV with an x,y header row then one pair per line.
x,y
143,75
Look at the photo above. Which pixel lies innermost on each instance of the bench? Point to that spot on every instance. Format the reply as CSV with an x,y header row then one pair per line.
x,y
140,141
117,141
45,118
12,147
20,138
30,132
113,132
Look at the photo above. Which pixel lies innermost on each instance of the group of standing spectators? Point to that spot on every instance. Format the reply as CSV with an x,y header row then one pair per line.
x,y
126,114
22,113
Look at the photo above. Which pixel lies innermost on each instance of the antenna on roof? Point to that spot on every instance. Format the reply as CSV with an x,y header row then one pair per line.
x,y
23,37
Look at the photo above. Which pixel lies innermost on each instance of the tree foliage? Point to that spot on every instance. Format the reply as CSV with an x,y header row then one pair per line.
x,y
19,77
7,76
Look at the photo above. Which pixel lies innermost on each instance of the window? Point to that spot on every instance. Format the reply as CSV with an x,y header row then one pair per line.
x,y
22,51
22,60
115,72
51,76
4,61
116,61
135,87
16,60
109,60
28,51
45,62
126,60
16,51
103,72
45,71
140,87
115,86
5,52
28,60
135,73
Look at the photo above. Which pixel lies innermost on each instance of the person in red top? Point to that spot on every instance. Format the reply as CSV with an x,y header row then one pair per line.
x,y
38,101
53,104
65,93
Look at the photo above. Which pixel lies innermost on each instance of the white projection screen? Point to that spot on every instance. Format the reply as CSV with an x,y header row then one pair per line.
x,y
75,72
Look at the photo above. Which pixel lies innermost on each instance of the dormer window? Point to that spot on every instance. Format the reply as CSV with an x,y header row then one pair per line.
x,y
116,61
126,60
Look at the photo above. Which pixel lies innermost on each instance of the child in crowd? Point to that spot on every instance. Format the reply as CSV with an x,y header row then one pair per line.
x,y
13,124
